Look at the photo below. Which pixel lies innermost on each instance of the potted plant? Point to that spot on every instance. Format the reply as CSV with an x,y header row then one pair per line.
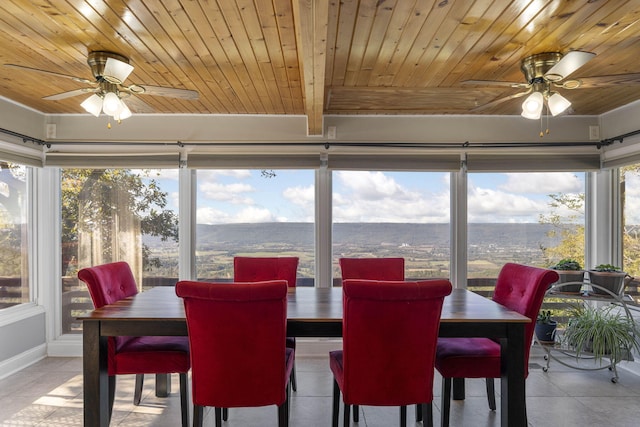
x,y
545,328
602,332
609,277
569,270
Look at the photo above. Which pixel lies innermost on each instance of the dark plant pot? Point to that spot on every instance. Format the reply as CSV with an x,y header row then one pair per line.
x,y
570,276
546,332
611,281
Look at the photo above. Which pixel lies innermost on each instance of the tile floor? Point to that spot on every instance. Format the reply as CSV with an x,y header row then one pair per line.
x,y
49,393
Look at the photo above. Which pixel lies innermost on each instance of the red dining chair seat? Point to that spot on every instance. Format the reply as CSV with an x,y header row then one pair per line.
x,y
259,269
237,337
109,283
520,288
382,363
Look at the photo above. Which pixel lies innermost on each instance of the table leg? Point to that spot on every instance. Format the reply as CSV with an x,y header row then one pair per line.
x,y
94,362
163,385
513,399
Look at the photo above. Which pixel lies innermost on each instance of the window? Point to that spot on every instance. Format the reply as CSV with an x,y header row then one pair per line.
x,y
117,215
254,213
395,214
529,218
14,235
630,196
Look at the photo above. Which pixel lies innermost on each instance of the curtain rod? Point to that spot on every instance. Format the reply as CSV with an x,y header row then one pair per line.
x,y
327,145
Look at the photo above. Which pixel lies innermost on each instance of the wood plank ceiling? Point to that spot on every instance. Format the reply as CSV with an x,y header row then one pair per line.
x,y
318,57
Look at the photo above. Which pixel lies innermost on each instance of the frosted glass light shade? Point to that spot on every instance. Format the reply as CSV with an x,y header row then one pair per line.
x,y
92,105
111,104
532,106
558,103
124,113
116,71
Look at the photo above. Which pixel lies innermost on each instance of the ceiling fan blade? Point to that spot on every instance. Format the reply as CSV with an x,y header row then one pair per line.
x,y
69,94
501,100
51,73
170,92
568,64
116,71
495,83
610,80
137,105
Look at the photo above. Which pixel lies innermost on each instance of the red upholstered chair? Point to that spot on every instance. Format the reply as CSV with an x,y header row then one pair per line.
x,y
382,363
258,269
372,268
520,288
112,282
238,355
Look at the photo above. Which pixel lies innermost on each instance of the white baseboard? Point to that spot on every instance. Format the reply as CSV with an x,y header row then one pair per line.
x,y
22,360
66,346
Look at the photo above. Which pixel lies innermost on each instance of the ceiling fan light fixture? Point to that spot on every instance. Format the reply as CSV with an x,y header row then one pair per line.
x,y
92,105
116,71
532,106
111,105
557,104
124,113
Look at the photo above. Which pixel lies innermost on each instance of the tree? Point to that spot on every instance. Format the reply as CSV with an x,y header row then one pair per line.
x,y
566,219
101,202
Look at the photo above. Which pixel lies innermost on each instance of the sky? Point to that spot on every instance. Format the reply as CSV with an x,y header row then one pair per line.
x,y
236,196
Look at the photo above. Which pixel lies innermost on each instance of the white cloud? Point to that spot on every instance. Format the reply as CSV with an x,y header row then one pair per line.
x,y
250,214
542,183
232,193
486,205
376,197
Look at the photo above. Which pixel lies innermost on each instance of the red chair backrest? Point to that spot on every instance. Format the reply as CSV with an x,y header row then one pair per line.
x,y
109,283
372,268
389,340
258,269
522,288
237,342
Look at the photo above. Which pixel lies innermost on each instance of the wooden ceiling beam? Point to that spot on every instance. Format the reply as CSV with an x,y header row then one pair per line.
x,y
311,21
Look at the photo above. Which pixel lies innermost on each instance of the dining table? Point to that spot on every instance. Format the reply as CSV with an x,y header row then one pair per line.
x,y
311,312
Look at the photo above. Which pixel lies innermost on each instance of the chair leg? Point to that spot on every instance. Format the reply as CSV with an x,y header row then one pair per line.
x,y
418,412
225,414
346,421
218,416
184,399
403,416
294,384
428,416
356,413
283,410
335,408
491,393
137,394
446,402
198,414
112,393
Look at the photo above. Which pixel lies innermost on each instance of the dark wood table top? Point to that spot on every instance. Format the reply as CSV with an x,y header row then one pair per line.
x,y
304,304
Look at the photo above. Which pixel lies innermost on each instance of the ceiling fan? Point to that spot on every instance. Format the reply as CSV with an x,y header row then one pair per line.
x,y
108,90
547,71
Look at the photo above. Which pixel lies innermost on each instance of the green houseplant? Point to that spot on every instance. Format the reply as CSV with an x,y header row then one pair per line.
x,y
545,328
601,332
569,270
609,277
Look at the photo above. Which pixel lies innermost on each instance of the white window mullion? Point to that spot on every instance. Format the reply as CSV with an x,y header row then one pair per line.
x,y
187,224
323,226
